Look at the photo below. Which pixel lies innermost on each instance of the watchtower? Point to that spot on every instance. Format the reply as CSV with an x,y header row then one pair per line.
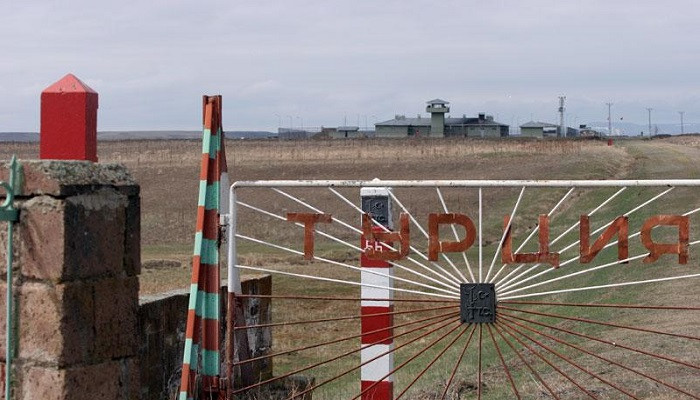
x,y
437,109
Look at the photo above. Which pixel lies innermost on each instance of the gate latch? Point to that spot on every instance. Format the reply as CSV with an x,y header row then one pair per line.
x,y
7,211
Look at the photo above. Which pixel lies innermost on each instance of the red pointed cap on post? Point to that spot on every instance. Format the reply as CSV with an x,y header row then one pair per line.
x,y
68,121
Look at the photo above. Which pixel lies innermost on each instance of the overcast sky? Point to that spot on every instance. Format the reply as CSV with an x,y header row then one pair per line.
x,y
324,61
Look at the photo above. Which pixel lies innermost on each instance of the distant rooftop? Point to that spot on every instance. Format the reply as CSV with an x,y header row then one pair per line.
x,y
437,101
538,124
487,121
401,120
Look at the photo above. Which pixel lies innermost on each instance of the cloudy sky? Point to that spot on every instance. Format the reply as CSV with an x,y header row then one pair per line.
x,y
327,61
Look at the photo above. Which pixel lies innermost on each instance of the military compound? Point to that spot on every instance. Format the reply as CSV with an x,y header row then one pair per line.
x,y
75,327
439,125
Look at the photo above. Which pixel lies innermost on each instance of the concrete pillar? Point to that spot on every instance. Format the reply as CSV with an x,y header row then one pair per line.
x,y
68,121
377,337
437,125
76,284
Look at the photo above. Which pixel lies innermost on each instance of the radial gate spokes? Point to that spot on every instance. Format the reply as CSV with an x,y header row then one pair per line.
x,y
403,289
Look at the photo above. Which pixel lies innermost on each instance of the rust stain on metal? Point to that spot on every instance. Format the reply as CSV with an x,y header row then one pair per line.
x,y
402,237
542,256
658,249
309,220
437,246
619,227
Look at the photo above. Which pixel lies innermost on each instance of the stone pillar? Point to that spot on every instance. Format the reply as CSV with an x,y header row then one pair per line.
x,y
162,324
77,260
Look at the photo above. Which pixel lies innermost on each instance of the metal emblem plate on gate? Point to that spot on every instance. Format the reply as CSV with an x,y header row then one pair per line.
x,y
477,303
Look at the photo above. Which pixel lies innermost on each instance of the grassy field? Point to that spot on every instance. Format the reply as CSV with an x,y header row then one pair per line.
x,y
168,174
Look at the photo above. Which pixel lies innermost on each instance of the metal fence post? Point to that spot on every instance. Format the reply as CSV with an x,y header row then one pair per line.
x,y
9,213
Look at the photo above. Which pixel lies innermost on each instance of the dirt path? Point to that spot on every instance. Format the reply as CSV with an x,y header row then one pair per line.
x,y
675,158
666,158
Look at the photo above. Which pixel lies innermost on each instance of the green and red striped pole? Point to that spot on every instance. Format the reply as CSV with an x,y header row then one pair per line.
x,y
201,364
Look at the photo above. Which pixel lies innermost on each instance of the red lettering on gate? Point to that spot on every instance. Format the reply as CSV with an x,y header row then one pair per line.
x,y
378,244
619,227
542,256
436,246
657,249
402,237
309,220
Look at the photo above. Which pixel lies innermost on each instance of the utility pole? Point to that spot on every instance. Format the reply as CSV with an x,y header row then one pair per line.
x,y
609,119
649,111
682,127
279,122
561,116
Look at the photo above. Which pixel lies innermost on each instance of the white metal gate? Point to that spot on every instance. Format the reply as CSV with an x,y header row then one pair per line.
x,y
594,287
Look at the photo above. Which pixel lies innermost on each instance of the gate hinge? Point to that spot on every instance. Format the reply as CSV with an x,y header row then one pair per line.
x,y
224,220
10,215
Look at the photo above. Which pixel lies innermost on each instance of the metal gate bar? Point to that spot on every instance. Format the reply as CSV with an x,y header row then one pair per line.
x,y
9,213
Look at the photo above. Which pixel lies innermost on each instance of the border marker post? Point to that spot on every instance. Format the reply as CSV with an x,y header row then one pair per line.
x,y
68,121
377,203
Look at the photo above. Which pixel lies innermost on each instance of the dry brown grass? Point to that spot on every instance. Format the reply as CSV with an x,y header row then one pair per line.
x,y
168,171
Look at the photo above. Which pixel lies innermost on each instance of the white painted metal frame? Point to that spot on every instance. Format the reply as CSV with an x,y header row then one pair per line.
x,y
505,285
441,283
470,183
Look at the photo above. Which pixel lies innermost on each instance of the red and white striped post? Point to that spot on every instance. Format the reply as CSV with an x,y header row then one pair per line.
x,y
376,203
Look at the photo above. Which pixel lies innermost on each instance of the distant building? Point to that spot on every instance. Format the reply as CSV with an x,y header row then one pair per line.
x,y
585,131
401,126
544,129
539,129
438,125
437,109
291,133
343,132
481,126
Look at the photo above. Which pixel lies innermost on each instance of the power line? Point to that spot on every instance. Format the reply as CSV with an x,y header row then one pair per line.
x,y
682,127
649,111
